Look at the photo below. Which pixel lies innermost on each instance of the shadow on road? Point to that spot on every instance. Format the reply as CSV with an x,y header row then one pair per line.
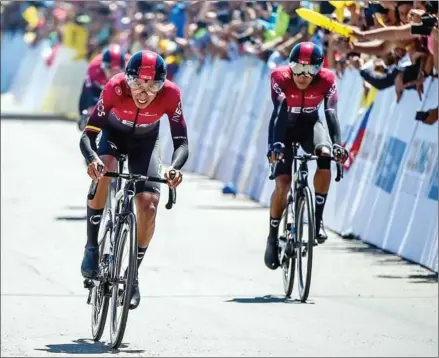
x,y
85,346
387,259
230,207
267,299
418,278
76,207
359,247
71,218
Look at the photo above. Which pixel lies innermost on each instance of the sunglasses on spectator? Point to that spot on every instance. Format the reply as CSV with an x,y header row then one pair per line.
x,y
300,69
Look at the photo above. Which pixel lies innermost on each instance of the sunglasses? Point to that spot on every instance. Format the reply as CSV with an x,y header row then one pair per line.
x,y
300,69
150,86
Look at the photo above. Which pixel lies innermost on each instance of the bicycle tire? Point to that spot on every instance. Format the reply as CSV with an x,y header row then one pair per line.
x,y
305,199
98,292
289,264
117,333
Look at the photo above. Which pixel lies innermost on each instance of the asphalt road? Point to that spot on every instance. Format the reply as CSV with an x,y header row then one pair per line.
x,y
205,289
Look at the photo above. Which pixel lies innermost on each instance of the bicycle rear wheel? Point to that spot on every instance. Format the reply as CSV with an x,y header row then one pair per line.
x,y
287,257
304,251
123,278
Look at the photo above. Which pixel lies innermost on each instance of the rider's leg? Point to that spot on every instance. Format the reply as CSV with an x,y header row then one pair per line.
x,y
278,202
108,154
95,208
322,178
145,160
277,206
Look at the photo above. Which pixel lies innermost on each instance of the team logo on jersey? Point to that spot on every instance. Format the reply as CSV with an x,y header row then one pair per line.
x,y
118,90
101,107
178,112
332,91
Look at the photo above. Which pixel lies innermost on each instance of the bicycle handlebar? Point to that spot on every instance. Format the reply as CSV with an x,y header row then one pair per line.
x,y
172,198
308,158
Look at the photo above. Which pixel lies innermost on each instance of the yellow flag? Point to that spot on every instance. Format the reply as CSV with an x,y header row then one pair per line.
x,y
31,16
341,4
76,38
325,22
339,8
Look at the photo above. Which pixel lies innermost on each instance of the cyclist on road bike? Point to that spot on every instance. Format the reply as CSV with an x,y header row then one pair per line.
x,y
104,66
128,116
297,91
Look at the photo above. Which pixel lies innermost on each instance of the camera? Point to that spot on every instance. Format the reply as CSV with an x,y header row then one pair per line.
x,y
426,27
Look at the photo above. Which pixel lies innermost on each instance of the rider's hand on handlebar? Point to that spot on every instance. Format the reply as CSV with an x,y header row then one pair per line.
x,y
340,154
276,152
93,170
173,181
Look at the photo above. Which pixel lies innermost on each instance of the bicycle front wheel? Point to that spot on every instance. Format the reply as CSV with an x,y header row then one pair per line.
x,y
99,295
124,274
305,242
287,257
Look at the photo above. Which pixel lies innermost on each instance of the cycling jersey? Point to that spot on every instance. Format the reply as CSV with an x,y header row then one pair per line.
x,y
95,80
89,97
95,75
295,106
117,112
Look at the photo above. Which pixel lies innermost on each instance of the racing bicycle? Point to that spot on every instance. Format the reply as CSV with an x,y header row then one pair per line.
x,y
293,246
117,234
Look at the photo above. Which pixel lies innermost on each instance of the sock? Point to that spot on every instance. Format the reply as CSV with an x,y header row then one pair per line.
x,y
93,221
140,255
274,226
320,206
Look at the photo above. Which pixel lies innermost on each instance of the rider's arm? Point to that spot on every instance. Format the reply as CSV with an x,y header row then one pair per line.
x,y
96,122
178,131
279,117
96,76
331,99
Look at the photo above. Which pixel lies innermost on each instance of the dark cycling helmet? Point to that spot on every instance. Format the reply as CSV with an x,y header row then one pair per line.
x,y
113,57
306,58
146,65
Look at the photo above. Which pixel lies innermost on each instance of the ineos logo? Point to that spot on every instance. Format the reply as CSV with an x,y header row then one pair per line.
x,y
276,87
303,110
101,108
131,124
178,112
332,91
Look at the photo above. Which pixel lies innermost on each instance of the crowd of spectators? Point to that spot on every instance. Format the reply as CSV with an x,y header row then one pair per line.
x,y
396,41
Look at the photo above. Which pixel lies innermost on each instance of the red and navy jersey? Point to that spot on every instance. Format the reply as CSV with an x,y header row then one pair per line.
x,y
117,111
95,75
304,102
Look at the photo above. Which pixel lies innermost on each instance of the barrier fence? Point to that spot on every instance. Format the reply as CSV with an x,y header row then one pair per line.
x,y
389,194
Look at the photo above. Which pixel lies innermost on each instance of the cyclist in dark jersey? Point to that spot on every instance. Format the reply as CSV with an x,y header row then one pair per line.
x,y
100,70
128,116
297,91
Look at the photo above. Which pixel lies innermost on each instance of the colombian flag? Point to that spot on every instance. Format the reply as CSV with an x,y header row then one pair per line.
x,y
355,138
358,139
